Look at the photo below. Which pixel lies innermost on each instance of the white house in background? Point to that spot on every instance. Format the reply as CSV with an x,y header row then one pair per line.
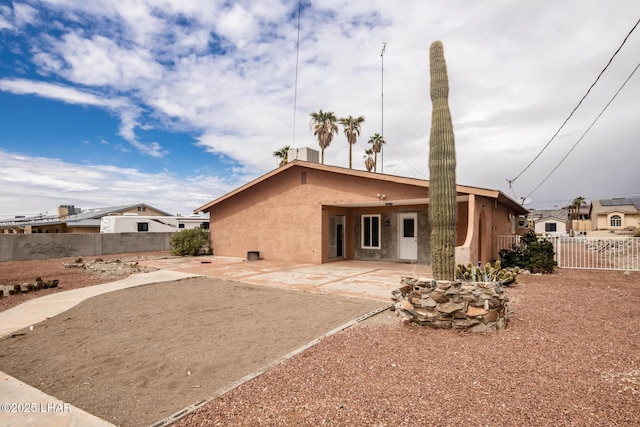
x,y
551,222
70,219
134,223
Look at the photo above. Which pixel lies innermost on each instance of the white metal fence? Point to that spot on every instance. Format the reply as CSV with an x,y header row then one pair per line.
x,y
598,253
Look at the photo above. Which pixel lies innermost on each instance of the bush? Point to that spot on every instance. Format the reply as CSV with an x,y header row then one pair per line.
x,y
191,242
533,254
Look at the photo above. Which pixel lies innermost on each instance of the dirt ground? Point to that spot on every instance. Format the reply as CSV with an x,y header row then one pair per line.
x,y
136,356
72,273
569,356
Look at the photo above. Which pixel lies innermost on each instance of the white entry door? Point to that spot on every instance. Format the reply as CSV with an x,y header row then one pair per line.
x,y
408,235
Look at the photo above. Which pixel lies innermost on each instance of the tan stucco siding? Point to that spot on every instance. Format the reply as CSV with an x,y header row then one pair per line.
x,y
285,216
603,221
489,219
281,220
337,189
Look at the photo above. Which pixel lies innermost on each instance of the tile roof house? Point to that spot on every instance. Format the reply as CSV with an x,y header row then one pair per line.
x,y
70,219
615,215
312,213
551,222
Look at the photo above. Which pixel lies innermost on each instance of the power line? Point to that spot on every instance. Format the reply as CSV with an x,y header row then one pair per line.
x,y
295,91
586,131
384,47
577,106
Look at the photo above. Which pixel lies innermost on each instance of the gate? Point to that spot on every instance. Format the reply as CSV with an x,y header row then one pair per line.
x,y
596,253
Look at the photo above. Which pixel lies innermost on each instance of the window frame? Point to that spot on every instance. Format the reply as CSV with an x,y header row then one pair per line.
x,y
618,219
364,233
144,228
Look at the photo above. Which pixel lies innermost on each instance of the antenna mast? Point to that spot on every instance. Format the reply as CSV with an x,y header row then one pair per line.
x,y
384,47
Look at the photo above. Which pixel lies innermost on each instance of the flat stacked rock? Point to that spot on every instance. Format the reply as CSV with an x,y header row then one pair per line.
x,y
472,306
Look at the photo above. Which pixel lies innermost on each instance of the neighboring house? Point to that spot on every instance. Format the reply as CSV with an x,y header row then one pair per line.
x,y
312,213
616,215
134,223
551,222
70,219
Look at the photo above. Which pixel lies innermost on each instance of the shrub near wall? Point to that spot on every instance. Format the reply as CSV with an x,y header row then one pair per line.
x,y
191,242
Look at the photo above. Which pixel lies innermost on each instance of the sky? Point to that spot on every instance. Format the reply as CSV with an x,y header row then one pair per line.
x,y
175,103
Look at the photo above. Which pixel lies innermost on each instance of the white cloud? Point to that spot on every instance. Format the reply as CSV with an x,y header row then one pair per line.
x,y
24,14
53,182
53,91
99,61
227,71
237,25
6,16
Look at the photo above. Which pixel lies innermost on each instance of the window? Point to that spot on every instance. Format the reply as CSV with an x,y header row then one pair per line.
x,y
550,227
615,221
143,226
408,227
205,225
370,231
180,225
142,208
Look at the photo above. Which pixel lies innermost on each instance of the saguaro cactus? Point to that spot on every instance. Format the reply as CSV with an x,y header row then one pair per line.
x,y
443,210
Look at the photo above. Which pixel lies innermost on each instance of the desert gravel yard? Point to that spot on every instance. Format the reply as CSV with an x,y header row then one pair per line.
x,y
570,356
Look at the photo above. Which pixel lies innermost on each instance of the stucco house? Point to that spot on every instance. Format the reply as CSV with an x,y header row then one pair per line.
x,y
551,222
312,213
615,215
70,219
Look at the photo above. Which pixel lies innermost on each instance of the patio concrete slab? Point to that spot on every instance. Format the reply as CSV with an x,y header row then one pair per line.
x,y
362,279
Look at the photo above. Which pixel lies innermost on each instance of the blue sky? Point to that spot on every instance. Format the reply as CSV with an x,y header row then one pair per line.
x,y
176,103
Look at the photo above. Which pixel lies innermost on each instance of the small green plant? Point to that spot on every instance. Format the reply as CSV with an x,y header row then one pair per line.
x,y
532,253
191,242
488,273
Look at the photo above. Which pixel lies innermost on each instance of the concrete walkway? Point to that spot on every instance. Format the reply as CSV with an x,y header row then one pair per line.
x,y
25,406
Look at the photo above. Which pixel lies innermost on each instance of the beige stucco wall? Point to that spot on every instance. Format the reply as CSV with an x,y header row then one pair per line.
x,y
486,220
603,221
286,219
283,218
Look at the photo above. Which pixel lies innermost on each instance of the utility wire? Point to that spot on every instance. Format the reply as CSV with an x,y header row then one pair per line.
x,y
586,131
577,106
295,91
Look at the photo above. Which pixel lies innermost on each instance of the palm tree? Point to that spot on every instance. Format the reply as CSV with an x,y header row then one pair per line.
x,y
282,155
323,124
351,127
369,163
376,142
576,203
569,209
